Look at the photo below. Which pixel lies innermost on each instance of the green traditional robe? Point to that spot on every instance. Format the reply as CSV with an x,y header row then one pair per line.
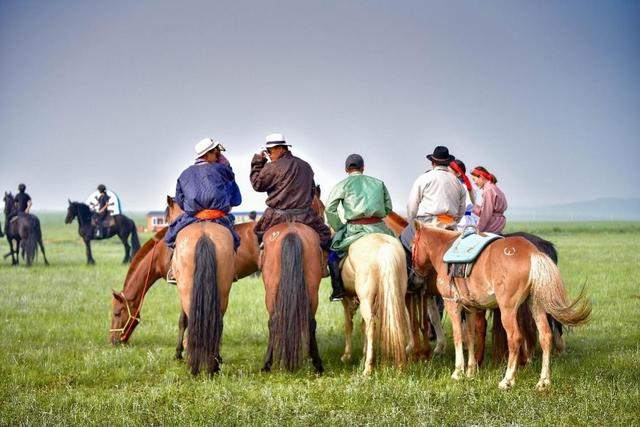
x,y
361,196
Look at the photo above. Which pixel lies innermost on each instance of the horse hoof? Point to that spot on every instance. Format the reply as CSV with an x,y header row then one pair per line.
x,y
505,385
345,358
265,370
543,384
471,374
440,349
457,375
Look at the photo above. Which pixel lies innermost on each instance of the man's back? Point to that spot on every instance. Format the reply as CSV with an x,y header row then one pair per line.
x,y
288,182
361,196
22,200
207,186
437,192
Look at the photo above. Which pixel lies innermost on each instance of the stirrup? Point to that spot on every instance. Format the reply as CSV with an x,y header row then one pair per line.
x,y
339,297
171,279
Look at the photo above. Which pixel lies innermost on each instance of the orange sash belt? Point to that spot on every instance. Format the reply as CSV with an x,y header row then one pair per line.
x,y
209,214
445,219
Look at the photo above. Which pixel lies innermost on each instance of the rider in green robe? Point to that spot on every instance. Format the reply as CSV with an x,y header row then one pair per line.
x,y
365,201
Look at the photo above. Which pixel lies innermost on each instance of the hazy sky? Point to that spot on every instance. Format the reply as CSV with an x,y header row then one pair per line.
x,y
545,94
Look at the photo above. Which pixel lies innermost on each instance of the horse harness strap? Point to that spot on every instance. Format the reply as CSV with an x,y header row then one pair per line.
x,y
292,212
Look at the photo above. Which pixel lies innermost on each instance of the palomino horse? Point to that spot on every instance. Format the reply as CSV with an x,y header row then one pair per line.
x,y
291,271
375,276
120,225
508,273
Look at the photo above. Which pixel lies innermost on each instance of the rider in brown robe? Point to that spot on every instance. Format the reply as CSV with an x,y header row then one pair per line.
x,y
288,182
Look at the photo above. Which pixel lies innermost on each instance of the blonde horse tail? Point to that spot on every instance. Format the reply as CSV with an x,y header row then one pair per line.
x,y
289,331
548,289
205,316
390,306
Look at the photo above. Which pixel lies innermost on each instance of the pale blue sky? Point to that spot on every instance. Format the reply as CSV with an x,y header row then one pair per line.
x,y
545,94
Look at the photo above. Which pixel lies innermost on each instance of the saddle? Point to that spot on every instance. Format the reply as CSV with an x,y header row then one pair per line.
x,y
465,250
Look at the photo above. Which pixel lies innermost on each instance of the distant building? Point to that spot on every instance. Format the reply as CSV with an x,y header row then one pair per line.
x,y
246,216
156,220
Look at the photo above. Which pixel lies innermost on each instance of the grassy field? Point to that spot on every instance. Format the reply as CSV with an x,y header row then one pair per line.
x,y
57,366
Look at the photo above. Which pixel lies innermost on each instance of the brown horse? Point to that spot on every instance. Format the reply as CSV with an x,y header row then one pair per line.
x,y
508,273
152,262
291,271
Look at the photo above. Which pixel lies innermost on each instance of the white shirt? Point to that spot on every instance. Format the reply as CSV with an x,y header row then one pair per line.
x,y
113,206
437,192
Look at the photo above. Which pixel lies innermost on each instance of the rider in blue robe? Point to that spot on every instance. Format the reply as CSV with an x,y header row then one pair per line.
x,y
207,185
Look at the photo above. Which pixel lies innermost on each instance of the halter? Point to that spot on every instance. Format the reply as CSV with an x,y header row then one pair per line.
x,y
132,320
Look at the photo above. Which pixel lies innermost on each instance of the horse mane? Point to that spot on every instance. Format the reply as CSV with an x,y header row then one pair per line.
x,y
397,219
144,250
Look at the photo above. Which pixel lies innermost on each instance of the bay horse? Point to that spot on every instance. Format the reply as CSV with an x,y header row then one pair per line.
x,y
151,263
120,225
23,229
291,272
506,274
375,277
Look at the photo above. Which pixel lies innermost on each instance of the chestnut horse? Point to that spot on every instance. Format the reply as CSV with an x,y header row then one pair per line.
x,y
291,271
508,273
422,308
375,277
152,263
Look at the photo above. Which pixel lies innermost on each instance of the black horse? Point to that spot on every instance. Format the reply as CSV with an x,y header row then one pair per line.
x,y
116,224
23,229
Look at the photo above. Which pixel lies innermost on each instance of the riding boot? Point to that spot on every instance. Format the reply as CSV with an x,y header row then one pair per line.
x,y
171,277
414,283
337,286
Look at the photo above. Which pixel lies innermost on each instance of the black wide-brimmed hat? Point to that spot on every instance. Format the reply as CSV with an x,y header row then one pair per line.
x,y
441,154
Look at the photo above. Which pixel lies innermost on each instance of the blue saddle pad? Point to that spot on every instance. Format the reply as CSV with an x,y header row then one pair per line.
x,y
467,248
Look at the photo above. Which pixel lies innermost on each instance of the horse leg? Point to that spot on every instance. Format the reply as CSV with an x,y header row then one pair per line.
x,y
313,347
411,301
348,329
367,318
558,340
87,244
127,248
425,325
182,326
454,311
545,338
434,318
472,365
514,339
268,358
14,259
481,333
42,250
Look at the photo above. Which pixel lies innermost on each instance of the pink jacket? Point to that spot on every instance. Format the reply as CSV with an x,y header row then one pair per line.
x,y
491,212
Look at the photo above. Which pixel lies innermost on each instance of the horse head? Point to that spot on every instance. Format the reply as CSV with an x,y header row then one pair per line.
x,y
173,210
72,212
9,203
121,319
316,203
420,256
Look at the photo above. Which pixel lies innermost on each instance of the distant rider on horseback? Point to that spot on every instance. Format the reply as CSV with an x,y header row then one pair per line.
x,y
205,191
101,212
22,200
365,201
288,182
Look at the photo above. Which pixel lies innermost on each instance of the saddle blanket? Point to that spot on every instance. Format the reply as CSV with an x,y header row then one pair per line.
x,y
466,249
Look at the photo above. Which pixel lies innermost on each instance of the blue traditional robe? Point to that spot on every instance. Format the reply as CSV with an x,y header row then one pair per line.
x,y
205,186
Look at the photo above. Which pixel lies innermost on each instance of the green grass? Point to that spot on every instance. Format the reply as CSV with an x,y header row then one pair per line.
x,y
58,367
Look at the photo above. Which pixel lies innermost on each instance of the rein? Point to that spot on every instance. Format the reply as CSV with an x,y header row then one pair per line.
x,y
132,320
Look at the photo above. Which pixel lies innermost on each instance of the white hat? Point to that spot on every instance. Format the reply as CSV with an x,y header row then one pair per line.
x,y
275,139
205,145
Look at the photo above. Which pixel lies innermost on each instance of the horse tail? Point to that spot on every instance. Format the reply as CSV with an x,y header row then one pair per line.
x,y
390,306
289,331
548,290
135,242
205,317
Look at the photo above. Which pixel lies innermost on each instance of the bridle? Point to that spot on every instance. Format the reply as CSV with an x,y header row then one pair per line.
x,y
134,319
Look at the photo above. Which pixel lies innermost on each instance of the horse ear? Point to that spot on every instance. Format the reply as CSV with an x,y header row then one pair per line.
x,y
170,201
117,295
69,200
